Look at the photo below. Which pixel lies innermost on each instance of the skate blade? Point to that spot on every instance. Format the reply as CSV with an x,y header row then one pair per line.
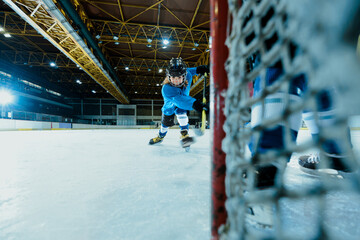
x,y
185,145
187,149
261,214
188,143
323,172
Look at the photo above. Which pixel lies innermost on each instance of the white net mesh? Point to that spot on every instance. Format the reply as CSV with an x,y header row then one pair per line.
x,y
300,59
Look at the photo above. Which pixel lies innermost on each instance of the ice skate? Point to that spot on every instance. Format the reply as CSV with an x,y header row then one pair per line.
x,y
156,140
261,214
310,164
186,140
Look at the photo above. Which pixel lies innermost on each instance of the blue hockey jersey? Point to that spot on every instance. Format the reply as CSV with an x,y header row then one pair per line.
x,y
178,97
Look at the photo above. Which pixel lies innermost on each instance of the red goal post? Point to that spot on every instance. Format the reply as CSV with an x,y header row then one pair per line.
x,y
218,85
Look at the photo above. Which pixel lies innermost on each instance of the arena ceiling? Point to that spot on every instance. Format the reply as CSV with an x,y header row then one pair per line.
x,y
115,47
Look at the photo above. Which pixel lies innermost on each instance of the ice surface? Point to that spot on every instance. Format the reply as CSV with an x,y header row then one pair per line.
x,y
103,184
110,184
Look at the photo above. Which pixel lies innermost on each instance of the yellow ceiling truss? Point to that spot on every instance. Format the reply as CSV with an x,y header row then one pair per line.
x,y
123,31
16,26
123,38
50,23
32,58
143,33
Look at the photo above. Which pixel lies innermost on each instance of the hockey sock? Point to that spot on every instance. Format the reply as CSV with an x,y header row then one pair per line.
x,y
273,137
183,120
326,119
163,130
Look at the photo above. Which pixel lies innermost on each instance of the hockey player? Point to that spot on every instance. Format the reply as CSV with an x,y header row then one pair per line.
x,y
175,91
272,137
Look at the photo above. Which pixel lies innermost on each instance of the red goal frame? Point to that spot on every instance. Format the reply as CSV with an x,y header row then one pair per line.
x,y
218,85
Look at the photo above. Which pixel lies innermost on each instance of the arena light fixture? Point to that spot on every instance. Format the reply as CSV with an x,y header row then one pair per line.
x,y
166,42
78,81
7,35
117,43
5,97
160,70
52,64
127,68
196,44
115,38
164,47
97,36
2,29
149,45
149,40
93,91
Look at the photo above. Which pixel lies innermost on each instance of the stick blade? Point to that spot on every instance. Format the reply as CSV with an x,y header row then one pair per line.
x,y
199,132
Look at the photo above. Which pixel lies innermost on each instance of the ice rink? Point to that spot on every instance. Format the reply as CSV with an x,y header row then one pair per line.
x,y
110,184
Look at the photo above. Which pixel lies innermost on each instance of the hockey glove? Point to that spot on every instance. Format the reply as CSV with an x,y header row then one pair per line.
x,y
202,69
199,106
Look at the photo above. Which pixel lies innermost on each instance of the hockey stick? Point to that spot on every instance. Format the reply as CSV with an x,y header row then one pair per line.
x,y
201,131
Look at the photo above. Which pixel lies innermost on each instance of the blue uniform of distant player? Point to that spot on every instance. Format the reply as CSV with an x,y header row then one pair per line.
x,y
175,91
177,99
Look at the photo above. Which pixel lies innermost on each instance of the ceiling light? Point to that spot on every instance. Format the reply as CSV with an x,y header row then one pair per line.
x,y
196,44
117,43
115,38
5,97
52,64
157,84
149,70
208,50
78,81
165,41
149,40
127,68
93,91
97,36
7,35
135,92
164,47
2,29
160,70
149,45
193,49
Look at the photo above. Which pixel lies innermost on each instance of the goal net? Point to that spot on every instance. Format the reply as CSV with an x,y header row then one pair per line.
x,y
291,61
